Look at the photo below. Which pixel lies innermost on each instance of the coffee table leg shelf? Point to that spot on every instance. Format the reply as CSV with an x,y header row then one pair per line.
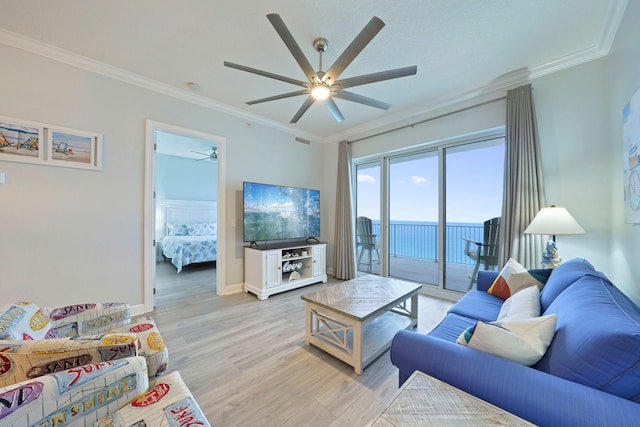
x,y
357,343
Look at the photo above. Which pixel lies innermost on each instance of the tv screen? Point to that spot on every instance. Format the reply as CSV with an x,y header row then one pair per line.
x,y
274,212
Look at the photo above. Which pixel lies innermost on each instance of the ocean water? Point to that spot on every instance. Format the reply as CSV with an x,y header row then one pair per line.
x,y
414,239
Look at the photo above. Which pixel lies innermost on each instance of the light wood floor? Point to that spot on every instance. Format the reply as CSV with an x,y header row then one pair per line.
x,y
246,362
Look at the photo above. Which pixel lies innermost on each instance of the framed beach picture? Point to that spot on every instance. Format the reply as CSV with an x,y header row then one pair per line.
x,y
21,141
74,149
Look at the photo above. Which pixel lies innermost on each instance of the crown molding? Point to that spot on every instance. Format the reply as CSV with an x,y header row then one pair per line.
x,y
496,87
66,57
610,24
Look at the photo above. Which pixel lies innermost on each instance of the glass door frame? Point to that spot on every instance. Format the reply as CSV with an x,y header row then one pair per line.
x,y
383,159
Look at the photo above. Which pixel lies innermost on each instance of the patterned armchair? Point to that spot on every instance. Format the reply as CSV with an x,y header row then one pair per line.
x,y
35,341
86,365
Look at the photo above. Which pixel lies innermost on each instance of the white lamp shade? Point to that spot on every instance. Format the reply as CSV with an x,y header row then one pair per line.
x,y
554,221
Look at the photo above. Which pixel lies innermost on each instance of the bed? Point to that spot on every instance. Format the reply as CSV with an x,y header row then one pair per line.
x,y
187,231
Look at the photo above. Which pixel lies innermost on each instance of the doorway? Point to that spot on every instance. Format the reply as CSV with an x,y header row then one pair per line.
x,y
184,184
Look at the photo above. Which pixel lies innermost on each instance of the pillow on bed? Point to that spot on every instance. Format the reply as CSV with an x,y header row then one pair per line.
x,y
177,229
202,229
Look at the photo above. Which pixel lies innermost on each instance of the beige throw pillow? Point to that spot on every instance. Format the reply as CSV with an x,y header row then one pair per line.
x,y
522,341
523,305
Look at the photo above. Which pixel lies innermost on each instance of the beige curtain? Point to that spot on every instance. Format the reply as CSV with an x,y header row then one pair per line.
x,y
523,186
344,260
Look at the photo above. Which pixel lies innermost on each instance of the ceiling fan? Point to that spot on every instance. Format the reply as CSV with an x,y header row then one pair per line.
x,y
213,156
324,85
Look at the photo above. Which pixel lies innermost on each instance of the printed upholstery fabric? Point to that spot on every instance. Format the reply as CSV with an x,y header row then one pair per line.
x,y
83,320
78,395
88,319
167,403
24,321
25,360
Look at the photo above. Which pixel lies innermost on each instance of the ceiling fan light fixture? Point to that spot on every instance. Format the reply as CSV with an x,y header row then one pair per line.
x,y
320,91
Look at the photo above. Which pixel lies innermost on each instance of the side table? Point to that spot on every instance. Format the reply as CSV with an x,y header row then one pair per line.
x,y
427,401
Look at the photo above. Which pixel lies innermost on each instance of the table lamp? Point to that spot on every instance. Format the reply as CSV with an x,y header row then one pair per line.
x,y
553,221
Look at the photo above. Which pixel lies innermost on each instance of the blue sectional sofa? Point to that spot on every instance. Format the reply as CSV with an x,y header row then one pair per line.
x,y
589,375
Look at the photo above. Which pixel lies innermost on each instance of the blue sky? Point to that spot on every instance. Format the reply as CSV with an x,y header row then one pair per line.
x,y
474,186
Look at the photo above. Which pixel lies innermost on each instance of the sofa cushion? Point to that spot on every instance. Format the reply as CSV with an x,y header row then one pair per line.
x,y
24,321
478,305
514,278
597,341
523,305
562,277
522,341
451,327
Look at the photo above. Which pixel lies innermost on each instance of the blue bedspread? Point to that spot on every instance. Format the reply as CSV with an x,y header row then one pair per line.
x,y
184,250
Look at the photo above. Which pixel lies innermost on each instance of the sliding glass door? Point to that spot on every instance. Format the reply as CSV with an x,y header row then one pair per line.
x,y
421,213
368,190
413,217
473,195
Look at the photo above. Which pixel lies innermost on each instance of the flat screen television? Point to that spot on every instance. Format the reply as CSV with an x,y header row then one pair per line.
x,y
275,212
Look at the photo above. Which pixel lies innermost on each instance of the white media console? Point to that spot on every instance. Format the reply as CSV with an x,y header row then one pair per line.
x,y
282,267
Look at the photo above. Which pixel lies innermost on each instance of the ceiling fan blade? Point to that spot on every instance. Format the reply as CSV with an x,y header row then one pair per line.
x,y
265,74
292,45
377,77
310,100
199,152
354,97
333,108
366,35
284,95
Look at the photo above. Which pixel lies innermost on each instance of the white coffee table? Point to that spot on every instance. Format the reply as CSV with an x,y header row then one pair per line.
x,y
356,320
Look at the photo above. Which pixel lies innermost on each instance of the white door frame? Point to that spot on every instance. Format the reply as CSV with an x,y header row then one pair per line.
x,y
150,208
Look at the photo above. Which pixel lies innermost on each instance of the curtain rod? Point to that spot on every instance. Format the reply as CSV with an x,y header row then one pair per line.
x,y
429,119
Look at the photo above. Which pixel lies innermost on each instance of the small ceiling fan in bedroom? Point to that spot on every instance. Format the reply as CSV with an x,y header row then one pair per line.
x,y
324,85
213,156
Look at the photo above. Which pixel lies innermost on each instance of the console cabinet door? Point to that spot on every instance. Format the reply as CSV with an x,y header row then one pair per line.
x,y
273,268
319,265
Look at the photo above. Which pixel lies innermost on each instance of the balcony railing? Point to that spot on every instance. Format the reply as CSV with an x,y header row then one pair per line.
x,y
420,241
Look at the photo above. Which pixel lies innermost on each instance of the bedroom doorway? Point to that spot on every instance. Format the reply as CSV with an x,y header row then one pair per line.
x,y
184,192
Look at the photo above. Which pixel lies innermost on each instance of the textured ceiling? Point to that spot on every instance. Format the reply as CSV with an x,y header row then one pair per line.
x,y
459,47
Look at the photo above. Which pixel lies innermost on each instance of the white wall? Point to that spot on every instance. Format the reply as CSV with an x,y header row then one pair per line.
x,y
68,235
185,179
624,79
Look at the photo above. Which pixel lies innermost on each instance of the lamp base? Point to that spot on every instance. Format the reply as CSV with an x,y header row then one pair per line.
x,y
551,257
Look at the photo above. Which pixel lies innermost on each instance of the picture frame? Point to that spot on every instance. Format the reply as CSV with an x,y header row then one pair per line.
x,y
73,148
21,141
31,142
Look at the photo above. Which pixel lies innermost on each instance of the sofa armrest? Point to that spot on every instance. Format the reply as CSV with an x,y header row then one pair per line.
x,y
485,279
536,396
88,319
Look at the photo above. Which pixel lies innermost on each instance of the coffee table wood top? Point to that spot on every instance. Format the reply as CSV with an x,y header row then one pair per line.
x,y
363,297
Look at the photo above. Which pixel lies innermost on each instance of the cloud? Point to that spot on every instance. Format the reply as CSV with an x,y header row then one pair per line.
x,y
418,180
366,178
